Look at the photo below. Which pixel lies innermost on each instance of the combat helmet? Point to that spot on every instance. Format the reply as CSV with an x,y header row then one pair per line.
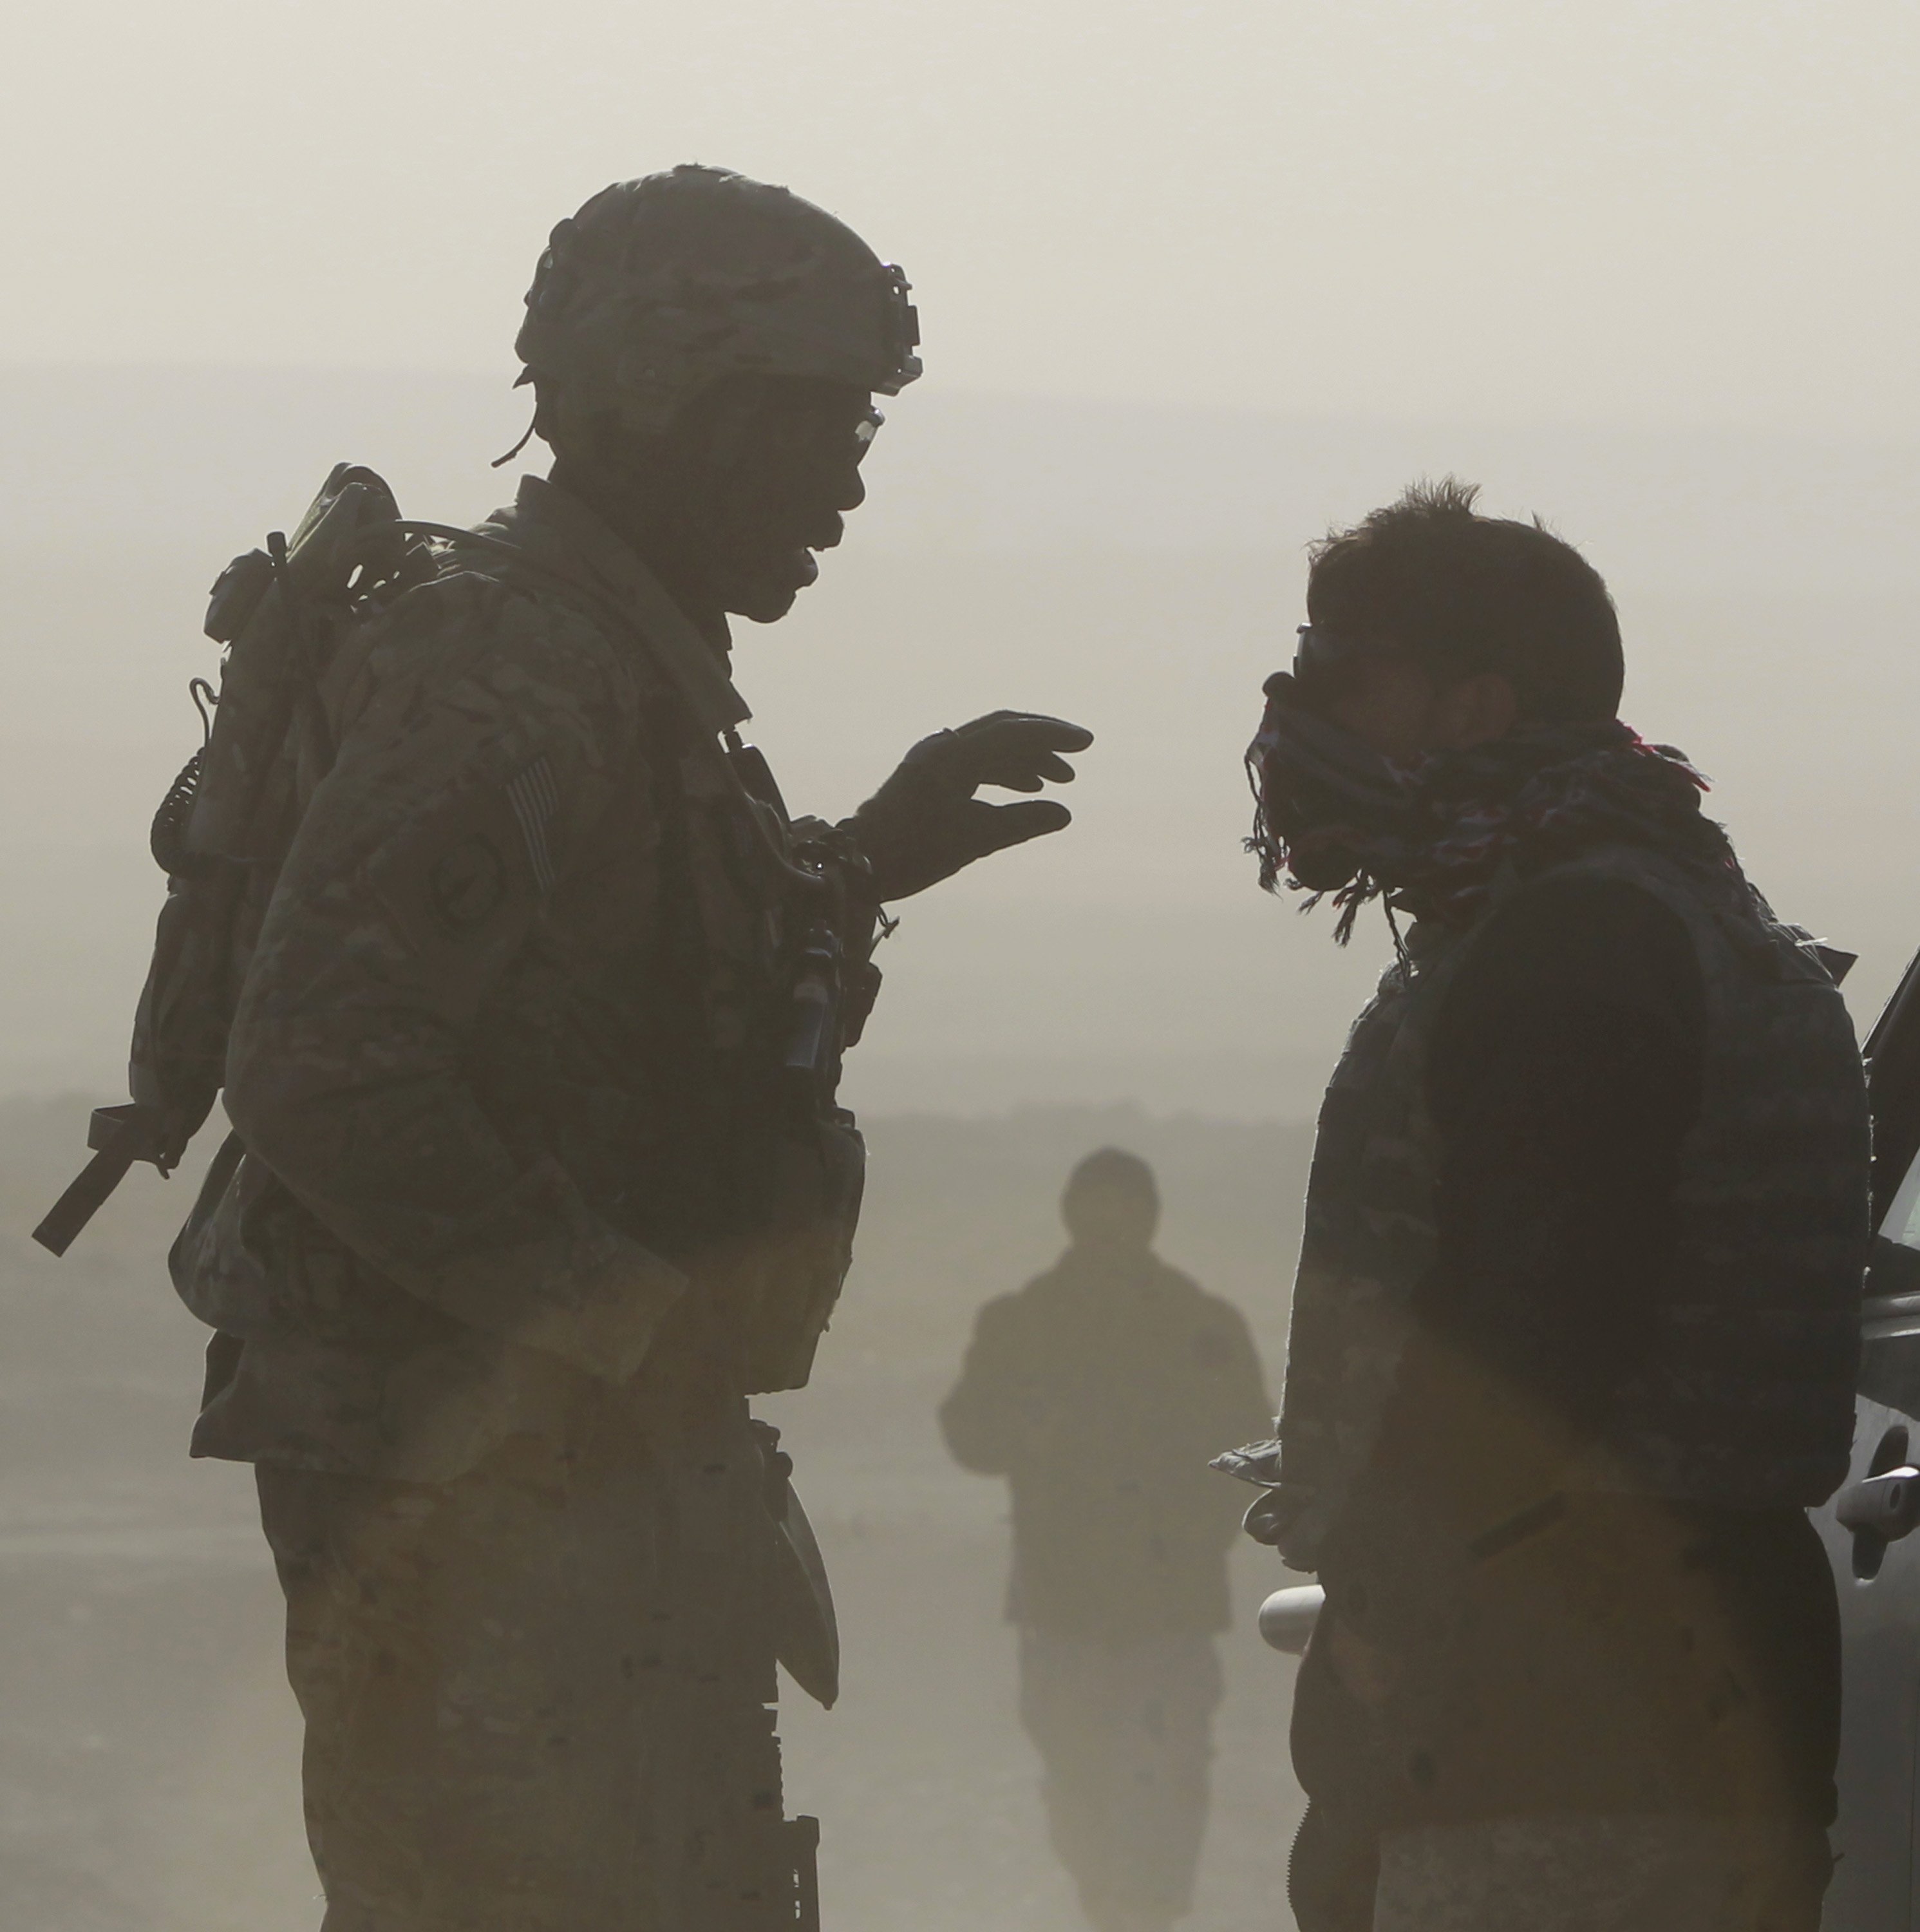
x,y
658,287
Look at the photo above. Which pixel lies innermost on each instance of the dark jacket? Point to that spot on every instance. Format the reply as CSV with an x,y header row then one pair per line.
x,y
1100,1391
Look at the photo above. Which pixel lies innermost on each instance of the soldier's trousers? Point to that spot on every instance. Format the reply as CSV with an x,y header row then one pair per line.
x,y
536,1697
1125,1731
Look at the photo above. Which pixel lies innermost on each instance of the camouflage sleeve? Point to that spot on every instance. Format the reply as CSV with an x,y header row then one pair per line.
x,y
986,1417
412,885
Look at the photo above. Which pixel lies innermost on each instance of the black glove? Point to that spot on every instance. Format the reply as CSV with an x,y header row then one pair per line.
x,y
924,823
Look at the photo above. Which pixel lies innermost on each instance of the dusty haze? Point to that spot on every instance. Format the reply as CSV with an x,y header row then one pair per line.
x,y
1196,281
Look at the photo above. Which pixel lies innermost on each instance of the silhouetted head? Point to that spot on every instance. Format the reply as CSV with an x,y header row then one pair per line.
x,y
1111,1202
704,350
1431,627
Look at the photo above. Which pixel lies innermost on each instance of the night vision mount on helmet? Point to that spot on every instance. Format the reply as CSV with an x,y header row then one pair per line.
x,y
660,287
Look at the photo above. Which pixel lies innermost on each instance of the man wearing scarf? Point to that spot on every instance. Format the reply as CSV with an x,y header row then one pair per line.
x,y
1575,1328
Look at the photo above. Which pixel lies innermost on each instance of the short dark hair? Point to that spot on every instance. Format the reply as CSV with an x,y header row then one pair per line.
x,y
1115,1168
1463,593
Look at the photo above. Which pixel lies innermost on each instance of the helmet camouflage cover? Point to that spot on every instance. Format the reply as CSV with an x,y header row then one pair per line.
x,y
658,287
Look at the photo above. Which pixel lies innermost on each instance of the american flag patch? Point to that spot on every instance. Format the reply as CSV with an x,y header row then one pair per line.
x,y
535,798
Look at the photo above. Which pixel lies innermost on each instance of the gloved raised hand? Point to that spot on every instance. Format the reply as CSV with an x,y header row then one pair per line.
x,y
924,823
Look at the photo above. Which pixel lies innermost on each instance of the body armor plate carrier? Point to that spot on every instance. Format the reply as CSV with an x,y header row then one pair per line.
x,y
1746,1398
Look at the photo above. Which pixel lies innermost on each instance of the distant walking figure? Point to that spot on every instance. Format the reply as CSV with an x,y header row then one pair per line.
x,y
1099,1392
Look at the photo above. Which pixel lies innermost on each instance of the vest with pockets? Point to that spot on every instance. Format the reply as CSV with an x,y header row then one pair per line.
x,y
1746,1397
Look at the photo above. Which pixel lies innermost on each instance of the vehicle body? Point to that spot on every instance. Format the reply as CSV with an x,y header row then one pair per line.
x,y
1866,1527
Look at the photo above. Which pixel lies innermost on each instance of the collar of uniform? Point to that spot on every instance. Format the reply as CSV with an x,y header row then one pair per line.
x,y
556,529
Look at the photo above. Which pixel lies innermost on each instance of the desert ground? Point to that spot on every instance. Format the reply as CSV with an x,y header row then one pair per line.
x,y
149,1769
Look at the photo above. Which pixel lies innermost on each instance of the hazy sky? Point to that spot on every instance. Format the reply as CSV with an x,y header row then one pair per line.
x,y
1203,241
1598,210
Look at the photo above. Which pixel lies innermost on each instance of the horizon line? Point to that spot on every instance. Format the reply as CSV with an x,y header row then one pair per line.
x,y
1617,428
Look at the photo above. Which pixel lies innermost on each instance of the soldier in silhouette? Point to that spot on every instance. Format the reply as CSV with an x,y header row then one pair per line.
x,y
539,1173
1097,1391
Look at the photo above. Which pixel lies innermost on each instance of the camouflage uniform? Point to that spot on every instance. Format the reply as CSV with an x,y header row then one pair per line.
x,y
523,1214
529,1000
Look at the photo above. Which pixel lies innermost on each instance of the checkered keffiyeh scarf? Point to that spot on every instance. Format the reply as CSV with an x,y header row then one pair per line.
x,y
1432,837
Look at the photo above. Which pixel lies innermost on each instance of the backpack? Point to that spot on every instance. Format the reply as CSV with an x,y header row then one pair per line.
x,y
222,830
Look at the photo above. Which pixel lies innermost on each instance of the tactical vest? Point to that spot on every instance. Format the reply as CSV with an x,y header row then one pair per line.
x,y
796,1167
755,1190
1746,1396
770,1183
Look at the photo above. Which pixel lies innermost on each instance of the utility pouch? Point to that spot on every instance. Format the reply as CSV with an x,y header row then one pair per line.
x,y
803,1166
787,1274
806,1630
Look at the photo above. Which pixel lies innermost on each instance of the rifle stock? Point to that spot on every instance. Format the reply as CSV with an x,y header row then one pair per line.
x,y
119,1136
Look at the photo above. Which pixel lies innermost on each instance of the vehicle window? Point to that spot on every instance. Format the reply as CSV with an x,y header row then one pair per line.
x,y
1890,1331
1902,1223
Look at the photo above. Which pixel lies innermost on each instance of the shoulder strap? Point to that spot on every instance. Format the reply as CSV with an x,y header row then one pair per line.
x,y
661,628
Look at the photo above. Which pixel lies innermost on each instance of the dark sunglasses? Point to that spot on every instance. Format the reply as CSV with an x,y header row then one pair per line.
x,y
820,430
1319,652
